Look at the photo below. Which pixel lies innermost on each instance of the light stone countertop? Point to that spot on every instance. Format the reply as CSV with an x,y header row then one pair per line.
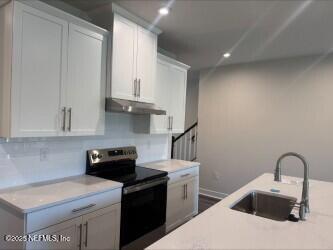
x,y
219,227
171,166
32,197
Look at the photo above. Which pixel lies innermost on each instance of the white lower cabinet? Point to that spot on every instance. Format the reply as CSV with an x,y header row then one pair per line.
x,y
101,228
182,201
68,230
95,230
92,222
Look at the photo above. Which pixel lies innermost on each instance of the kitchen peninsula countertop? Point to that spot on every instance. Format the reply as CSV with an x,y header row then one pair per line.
x,y
222,228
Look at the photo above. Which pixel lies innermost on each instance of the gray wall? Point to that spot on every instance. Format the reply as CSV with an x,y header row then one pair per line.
x,y
252,113
192,97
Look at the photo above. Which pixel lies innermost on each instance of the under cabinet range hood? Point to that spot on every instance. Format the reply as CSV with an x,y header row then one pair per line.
x,y
126,106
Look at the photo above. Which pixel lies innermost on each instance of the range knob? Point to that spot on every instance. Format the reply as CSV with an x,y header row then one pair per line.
x,y
94,156
99,156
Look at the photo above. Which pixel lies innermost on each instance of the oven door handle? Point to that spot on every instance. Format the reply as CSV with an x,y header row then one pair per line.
x,y
139,187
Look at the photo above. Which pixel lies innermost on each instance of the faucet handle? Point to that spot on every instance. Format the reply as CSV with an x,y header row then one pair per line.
x,y
277,174
301,208
302,211
295,204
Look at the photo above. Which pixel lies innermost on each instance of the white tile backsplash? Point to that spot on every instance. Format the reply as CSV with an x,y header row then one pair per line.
x,y
21,162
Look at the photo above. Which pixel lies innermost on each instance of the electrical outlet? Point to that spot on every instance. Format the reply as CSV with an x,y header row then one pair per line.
x,y
44,154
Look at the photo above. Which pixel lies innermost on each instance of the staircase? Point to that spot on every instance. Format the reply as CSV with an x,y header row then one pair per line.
x,y
184,146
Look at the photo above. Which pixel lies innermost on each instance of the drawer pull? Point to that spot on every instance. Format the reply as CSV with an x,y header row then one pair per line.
x,y
64,119
86,239
83,208
184,175
70,119
186,191
80,228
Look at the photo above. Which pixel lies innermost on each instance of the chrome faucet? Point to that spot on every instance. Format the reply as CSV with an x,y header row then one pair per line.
x,y
304,204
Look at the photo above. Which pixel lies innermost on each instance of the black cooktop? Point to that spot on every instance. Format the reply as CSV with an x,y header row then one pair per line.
x,y
137,175
119,164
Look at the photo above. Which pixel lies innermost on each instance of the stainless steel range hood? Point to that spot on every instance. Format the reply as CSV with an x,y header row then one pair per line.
x,y
125,106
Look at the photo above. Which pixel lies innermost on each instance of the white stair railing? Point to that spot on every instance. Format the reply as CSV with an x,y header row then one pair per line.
x,y
184,146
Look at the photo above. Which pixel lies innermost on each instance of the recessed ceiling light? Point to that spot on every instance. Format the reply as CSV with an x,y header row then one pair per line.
x,y
164,11
226,55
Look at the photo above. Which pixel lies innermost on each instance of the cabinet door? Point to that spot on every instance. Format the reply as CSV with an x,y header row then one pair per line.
x,y
101,228
146,65
177,83
124,55
191,198
86,82
38,72
175,205
67,234
159,123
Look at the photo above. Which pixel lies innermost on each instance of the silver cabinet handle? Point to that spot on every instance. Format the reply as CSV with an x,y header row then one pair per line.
x,y
140,187
69,119
83,208
169,127
169,120
64,119
184,175
185,191
139,94
80,239
86,238
135,87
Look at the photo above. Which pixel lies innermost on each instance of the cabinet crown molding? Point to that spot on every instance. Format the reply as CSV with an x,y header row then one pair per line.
x,y
54,11
138,20
172,61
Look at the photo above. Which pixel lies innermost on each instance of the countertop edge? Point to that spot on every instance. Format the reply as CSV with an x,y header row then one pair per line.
x,y
192,165
34,209
183,168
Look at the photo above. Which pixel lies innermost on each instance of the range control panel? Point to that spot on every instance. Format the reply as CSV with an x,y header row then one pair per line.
x,y
112,154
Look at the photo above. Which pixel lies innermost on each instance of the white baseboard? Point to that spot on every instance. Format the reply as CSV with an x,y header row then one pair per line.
x,y
213,194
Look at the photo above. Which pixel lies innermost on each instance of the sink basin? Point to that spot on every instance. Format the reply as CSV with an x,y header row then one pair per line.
x,y
271,206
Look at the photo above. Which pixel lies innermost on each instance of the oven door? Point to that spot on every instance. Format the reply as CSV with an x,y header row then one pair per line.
x,y
143,209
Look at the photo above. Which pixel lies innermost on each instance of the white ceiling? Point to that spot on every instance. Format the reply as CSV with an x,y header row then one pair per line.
x,y
200,31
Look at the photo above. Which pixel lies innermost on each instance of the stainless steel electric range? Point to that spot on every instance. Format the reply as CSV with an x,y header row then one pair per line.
x,y
144,195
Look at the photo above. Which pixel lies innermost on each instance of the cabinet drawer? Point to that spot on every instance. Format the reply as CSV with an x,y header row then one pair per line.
x,y
50,216
183,174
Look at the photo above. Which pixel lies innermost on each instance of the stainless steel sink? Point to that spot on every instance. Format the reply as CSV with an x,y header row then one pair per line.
x,y
267,205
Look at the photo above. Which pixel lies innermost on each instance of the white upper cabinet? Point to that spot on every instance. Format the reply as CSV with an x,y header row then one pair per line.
x,y
124,53
170,95
159,124
134,55
55,85
177,81
39,69
86,81
146,65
